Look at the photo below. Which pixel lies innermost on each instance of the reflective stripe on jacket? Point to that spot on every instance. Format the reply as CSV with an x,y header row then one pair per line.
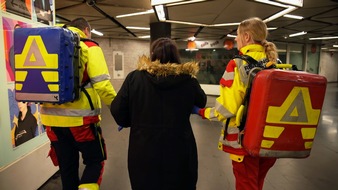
x,y
79,112
233,86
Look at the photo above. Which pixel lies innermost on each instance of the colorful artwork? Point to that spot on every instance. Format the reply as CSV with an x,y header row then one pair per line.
x,y
25,120
18,7
36,10
8,30
43,11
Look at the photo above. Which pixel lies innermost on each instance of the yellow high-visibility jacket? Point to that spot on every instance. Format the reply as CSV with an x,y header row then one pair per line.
x,y
233,86
79,112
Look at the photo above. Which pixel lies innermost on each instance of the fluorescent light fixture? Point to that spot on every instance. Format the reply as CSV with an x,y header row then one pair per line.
x,y
191,49
193,38
231,36
187,23
273,3
96,32
226,24
184,2
138,28
271,28
163,2
293,16
298,34
279,14
336,46
288,9
150,11
148,36
298,3
325,38
160,12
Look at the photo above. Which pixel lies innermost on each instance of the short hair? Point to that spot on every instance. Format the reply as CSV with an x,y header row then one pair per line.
x,y
80,23
165,50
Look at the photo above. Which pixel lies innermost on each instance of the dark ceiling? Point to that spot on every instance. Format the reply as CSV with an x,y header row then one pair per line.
x,y
320,18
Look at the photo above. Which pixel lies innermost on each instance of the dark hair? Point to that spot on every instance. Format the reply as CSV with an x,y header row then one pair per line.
x,y
165,50
79,23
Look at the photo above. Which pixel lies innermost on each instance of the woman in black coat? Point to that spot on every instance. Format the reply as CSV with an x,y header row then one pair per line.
x,y
156,101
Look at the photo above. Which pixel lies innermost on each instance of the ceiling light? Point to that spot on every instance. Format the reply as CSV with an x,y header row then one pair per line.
x,y
297,34
193,38
144,36
279,14
226,24
298,3
191,49
96,32
336,46
271,28
150,11
273,3
231,36
160,12
138,28
188,23
163,2
325,38
293,16
184,2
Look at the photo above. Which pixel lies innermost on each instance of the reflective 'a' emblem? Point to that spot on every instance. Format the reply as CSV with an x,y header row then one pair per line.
x,y
36,68
296,109
35,55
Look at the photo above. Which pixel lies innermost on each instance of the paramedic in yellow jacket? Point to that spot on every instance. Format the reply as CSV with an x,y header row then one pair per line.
x,y
251,40
75,127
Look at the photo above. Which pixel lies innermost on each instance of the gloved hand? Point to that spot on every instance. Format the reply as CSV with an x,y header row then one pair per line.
x,y
119,128
195,110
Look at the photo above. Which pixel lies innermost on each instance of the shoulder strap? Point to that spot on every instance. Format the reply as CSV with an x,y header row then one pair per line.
x,y
252,68
252,63
82,86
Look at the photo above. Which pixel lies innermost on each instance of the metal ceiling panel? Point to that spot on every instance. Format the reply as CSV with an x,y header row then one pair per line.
x,y
320,18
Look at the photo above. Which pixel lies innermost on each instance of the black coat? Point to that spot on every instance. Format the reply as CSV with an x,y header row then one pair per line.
x,y
156,101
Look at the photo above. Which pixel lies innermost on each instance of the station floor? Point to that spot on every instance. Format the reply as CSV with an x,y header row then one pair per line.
x,y
317,172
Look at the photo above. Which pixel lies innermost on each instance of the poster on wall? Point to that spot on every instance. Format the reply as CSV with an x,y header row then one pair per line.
x,y
8,26
24,116
43,10
18,7
25,120
37,10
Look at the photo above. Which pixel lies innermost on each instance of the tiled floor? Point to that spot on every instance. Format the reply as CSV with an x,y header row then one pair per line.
x,y
317,172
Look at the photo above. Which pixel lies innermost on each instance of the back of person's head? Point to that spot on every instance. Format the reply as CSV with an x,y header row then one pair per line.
x,y
165,50
257,29
79,23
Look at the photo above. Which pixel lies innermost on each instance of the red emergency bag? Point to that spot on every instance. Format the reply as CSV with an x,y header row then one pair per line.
x,y
283,111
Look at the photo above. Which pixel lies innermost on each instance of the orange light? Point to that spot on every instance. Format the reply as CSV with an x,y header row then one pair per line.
x,y
228,44
191,45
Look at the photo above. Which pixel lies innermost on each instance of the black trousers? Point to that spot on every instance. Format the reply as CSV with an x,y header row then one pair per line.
x,y
68,142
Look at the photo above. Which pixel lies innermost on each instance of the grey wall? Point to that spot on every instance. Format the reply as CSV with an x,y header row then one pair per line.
x,y
131,49
328,66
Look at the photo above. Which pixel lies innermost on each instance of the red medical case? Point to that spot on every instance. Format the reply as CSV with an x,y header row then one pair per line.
x,y
283,113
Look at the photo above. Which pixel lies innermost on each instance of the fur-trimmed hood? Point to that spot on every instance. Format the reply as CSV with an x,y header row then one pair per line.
x,y
167,74
158,69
